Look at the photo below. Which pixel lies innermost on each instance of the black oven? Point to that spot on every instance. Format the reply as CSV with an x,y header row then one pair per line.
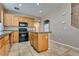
x,y
23,32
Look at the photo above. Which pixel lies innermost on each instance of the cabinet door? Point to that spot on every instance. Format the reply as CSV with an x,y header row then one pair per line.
x,y
15,37
7,19
23,19
43,42
2,51
1,47
32,38
15,21
35,40
6,44
12,38
7,48
1,14
19,19
30,23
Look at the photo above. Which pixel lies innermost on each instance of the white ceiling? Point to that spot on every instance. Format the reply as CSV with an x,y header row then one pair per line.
x,y
32,8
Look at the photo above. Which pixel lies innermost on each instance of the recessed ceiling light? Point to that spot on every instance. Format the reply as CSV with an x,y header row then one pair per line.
x,y
20,5
37,4
41,11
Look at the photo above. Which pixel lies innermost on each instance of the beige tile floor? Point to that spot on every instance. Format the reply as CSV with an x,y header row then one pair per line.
x,y
55,49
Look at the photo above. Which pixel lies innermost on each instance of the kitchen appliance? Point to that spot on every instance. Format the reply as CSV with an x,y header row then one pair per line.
x,y
23,32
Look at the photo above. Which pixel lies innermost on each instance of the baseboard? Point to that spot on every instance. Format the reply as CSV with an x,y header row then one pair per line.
x,y
67,45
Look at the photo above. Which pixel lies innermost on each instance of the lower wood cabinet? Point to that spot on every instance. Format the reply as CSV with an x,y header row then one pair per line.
x,y
6,41
2,51
2,48
14,37
4,45
39,41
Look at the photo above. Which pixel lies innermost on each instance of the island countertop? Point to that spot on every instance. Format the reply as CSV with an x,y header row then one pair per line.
x,y
42,32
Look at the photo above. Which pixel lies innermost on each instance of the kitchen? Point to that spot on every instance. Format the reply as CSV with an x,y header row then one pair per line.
x,y
38,29
17,29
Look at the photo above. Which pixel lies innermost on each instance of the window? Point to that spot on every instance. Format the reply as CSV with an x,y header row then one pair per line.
x,y
46,26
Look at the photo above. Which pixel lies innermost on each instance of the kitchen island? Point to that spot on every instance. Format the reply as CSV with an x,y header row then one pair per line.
x,y
39,40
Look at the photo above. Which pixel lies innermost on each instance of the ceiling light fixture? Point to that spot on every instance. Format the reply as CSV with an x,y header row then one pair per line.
x,y
20,5
40,11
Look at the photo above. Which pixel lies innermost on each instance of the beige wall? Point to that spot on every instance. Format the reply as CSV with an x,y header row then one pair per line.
x,y
60,26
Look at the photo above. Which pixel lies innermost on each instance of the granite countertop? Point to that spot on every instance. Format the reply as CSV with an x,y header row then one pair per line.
x,y
42,32
3,33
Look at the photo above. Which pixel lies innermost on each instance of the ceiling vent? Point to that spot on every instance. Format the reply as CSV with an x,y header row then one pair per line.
x,y
16,8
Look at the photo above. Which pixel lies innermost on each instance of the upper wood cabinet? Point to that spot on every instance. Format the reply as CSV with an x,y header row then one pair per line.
x,y
23,19
1,14
15,21
27,20
75,15
31,23
8,19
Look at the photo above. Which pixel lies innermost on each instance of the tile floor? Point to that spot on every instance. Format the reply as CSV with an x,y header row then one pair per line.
x,y
55,49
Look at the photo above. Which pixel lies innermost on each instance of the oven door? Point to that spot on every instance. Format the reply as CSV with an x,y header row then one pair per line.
x,y
23,37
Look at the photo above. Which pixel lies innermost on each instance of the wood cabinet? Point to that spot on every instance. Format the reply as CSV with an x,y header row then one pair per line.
x,y
23,19
75,16
15,21
8,19
39,41
4,45
2,49
1,14
31,23
14,37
